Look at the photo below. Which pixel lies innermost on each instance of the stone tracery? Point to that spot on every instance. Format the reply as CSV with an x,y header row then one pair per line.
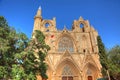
x,y
65,43
67,71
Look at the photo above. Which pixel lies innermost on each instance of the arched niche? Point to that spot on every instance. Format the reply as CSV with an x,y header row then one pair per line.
x,y
90,72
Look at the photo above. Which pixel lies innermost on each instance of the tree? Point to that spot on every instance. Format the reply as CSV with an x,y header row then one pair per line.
x,y
34,60
103,57
21,59
17,72
2,72
114,58
11,43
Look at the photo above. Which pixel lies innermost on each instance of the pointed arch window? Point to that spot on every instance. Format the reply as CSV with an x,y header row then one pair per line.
x,y
67,71
81,25
89,72
65,43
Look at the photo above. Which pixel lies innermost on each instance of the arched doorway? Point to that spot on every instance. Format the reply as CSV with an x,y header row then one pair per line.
x,y
90,78
89,74
67,70
67,78
67,73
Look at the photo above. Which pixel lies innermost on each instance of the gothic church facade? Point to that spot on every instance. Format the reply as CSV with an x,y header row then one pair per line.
x,y
74,53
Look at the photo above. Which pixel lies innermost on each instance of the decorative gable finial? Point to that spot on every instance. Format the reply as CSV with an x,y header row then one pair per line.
x,y
80,18
39,8
65,27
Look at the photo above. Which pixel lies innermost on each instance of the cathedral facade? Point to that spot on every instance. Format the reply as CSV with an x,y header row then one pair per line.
x,y
74,53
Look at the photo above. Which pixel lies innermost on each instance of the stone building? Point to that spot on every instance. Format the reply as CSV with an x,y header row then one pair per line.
x,y
74,53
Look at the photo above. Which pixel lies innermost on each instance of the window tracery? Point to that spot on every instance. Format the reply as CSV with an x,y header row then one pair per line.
x,y
67,71
89,72
65,43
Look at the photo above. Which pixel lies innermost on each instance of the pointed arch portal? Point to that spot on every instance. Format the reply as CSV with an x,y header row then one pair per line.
x,y
67,70
67,73
90,71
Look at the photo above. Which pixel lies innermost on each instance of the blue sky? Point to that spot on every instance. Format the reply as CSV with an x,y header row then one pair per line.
x,y
104,15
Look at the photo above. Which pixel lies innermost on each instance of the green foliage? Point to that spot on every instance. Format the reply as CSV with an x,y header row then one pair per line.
x,y
2,72
29,64
36,58
31,76
43,68
114,58
109,60
4,32
103,56
17,72
11,44
114,55
19,57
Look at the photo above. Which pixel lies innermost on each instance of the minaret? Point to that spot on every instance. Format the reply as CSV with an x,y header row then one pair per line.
x,y
39,12
37,19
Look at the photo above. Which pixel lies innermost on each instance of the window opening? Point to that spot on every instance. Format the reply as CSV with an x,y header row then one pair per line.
x,y
47,30
65,43
81,25
84,50
47,25
67,71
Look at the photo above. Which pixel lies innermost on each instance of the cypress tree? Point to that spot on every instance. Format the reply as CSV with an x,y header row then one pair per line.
x,y
103,57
